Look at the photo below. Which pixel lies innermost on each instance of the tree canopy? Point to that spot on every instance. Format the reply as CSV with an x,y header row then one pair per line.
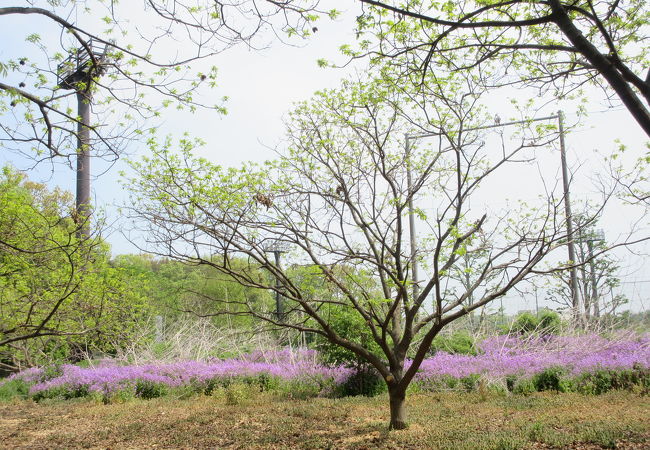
x,y
138,60
56,291
338,198
553,46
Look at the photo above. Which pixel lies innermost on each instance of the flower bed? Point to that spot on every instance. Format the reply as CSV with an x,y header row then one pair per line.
x,y
587,360
262,368
507,358
501,356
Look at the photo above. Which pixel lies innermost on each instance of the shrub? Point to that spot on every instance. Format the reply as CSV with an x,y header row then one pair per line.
x,y
511,380
119,396
604,380
549,322
458,343
300,389
364,381
148,389
52,393
236,393
525,323
524,386
552,379
470,382
263,381
15,388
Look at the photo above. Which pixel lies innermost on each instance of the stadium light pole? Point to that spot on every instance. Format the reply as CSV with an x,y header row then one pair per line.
x,y
277,248
78,72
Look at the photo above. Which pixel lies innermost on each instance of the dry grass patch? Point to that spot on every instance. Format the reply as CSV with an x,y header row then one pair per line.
x,y
449,420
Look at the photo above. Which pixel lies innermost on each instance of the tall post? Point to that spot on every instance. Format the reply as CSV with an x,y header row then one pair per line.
x,y
414,250
278,298
583,283
594,282
78,72
83,163
575,302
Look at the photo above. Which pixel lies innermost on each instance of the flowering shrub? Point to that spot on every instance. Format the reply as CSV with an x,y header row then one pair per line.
x,y
153,380
590,364
509,358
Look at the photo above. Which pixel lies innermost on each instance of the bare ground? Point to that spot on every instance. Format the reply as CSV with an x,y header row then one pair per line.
x,y
446,420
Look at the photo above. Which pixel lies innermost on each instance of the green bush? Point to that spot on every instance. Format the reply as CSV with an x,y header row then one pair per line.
x,y
459,342
524,386
511,380
550,322
15,388
120,396
300,389
546,322
146,389
525,323
59,392
236,393
439,383
552,379
470,382
604,380
365,381
263,381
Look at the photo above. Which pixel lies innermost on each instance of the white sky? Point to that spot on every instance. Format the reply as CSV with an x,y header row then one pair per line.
x,y
262,85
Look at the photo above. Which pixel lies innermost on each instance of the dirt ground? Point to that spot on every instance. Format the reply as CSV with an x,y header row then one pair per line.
x,y
449,420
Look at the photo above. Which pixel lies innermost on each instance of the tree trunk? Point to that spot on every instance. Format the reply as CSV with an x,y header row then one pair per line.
x,y
397,409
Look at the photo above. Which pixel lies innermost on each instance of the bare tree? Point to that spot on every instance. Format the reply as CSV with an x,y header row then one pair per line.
x,y
338,196
598,280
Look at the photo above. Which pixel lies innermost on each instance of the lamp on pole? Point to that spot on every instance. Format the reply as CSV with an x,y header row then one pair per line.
x,y
278,247
575,303
575,300
597,236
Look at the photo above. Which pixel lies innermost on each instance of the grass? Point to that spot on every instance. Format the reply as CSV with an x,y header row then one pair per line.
x,y
254,420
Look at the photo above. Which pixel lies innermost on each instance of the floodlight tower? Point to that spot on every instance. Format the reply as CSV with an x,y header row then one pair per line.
x,y
597,236
278,247
78,72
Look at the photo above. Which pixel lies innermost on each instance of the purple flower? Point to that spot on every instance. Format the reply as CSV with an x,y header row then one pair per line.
x,y
501,356
301,365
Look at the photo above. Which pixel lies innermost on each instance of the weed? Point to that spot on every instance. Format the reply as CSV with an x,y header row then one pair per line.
x,y
237,393
15,388
146,389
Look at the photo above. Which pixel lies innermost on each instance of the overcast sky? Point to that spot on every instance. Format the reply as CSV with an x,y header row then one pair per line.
x,y
262,85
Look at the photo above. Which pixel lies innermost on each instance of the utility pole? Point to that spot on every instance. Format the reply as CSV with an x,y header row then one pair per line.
x,y
565,182
414,250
